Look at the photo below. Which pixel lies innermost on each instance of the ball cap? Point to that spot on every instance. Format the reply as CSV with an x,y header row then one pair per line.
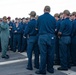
x,y
5,17
8,17
32,13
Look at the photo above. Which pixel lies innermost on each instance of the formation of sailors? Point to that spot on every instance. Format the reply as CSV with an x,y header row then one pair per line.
x,y
48,36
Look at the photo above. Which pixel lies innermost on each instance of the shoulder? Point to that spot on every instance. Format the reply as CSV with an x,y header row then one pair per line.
x,y
51,17
11,22
41,16
32,21
20,23
29,24
2,23
74,21
14,24
58,22
63,22
67,22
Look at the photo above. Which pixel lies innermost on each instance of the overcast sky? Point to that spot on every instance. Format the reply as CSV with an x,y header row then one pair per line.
x,y
21,8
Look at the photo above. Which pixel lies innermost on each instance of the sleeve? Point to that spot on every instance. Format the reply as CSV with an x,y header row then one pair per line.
x,y
73,29
37,25
57,25
3,26
62,26
20,29
13,27
27,29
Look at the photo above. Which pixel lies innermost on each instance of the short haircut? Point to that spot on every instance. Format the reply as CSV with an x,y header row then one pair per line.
x,y
67,12
47,8
32,13
56,15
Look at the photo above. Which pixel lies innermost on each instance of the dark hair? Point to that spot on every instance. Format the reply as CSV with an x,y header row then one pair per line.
x,y
67,12
32,13
47,8
74,14
56,15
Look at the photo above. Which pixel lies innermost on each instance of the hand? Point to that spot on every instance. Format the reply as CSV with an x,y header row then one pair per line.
x,y
59,33
59,37
55,29
10,27
36,29
9,36
24,37
15,31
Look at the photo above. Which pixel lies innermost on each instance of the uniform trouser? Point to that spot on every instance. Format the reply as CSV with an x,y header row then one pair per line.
x,y
24,44
57,58
64,50
32,45
17,42
11,41
4,45
73,50
46,44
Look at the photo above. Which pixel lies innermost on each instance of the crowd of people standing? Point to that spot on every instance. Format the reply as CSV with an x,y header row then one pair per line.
x,y
51,37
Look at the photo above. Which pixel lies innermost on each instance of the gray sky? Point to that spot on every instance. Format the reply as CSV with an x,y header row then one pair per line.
x,y
21,8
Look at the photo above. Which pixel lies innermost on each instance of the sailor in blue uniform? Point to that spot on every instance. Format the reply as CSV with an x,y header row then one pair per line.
x,y
11,32
32,41
73,43
46,25
58,21
64,41
24,40
17,31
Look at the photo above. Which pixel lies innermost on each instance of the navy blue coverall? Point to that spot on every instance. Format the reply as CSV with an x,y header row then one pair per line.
x,y
46,25
57,58
64,43
17,37
11,35
24,40
32,43
73,43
